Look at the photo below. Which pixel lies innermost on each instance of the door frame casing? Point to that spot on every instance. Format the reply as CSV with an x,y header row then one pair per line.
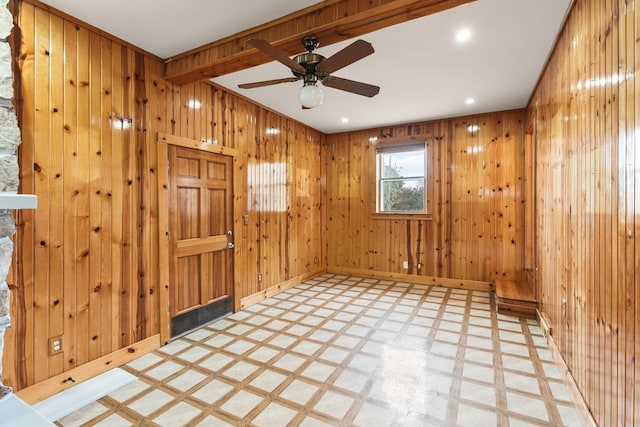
x,y
164,140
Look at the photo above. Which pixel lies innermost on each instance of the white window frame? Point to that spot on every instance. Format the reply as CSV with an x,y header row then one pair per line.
x,y
397,146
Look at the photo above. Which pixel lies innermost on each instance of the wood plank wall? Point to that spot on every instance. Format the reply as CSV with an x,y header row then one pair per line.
x,y
86,263
475,194
586,116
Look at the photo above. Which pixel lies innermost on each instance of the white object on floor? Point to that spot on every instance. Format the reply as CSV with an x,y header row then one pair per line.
x,y
14,412
74,398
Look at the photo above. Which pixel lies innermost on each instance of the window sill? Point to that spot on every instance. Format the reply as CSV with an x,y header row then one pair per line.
x,y
392,216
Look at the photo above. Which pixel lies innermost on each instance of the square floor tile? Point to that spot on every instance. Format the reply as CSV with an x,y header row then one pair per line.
x,y
219,340
528,406
282,341
479,356
363,362
384,336
256,320
277,325
194,354
335,355
263,354
240,347
311,320
351,381
298,330
198,334
240,371
373,415
239,329
347,341
241,403
334,404
478,372
318,371
151,402
128,391
114,420
216,362
268,380
173,347
185,381
274,415
469,416
521,382
307,348
518,364
164,370
289,362
150,359
178,415
477,393
299,392
260,335
212,391
511,348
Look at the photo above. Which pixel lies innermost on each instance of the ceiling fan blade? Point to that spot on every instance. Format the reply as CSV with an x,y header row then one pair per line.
x,y
267,83
358,88
276,54
350,54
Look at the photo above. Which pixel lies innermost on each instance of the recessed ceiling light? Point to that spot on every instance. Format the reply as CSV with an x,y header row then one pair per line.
x,y
345,120
469,101
463,35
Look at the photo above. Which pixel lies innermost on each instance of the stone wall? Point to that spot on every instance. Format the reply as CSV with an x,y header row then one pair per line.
x,y
9,176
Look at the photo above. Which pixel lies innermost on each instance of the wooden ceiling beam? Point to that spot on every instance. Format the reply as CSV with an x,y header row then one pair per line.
x,y
332,21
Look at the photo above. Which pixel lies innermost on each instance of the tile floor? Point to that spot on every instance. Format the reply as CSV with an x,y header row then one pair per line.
x,y
346,351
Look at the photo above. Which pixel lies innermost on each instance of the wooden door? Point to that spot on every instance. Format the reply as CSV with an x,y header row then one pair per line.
x,y
201,239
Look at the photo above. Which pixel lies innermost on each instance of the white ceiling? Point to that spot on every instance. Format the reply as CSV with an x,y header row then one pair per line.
x,y
423,72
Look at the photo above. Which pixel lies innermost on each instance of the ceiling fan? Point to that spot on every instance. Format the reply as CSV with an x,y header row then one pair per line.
x,y
313,68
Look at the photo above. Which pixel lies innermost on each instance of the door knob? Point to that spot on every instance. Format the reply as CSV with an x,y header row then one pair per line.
x,y
231,245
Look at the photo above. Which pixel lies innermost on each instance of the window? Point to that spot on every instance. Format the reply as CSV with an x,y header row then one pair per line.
x,y
401,170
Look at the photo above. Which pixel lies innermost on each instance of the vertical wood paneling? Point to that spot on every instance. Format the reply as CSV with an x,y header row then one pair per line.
x,y
87,259
475,196
585,117
70,150
41,163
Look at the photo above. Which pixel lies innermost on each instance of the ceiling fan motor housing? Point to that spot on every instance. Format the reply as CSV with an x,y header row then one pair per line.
x,y
310,63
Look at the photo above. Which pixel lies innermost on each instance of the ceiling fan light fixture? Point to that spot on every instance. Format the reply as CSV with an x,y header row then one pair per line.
x,y
310,95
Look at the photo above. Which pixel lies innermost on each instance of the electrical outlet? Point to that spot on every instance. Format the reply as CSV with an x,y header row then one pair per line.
x,y
55,345
315,260
259,277
405,265
245,219
419,266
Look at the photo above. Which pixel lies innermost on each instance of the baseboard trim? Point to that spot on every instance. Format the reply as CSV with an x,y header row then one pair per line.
x,y
274,290
47,388
576,396
412,278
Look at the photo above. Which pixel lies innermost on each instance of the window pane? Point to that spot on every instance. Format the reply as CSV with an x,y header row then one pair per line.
x,y
402,164
402,195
